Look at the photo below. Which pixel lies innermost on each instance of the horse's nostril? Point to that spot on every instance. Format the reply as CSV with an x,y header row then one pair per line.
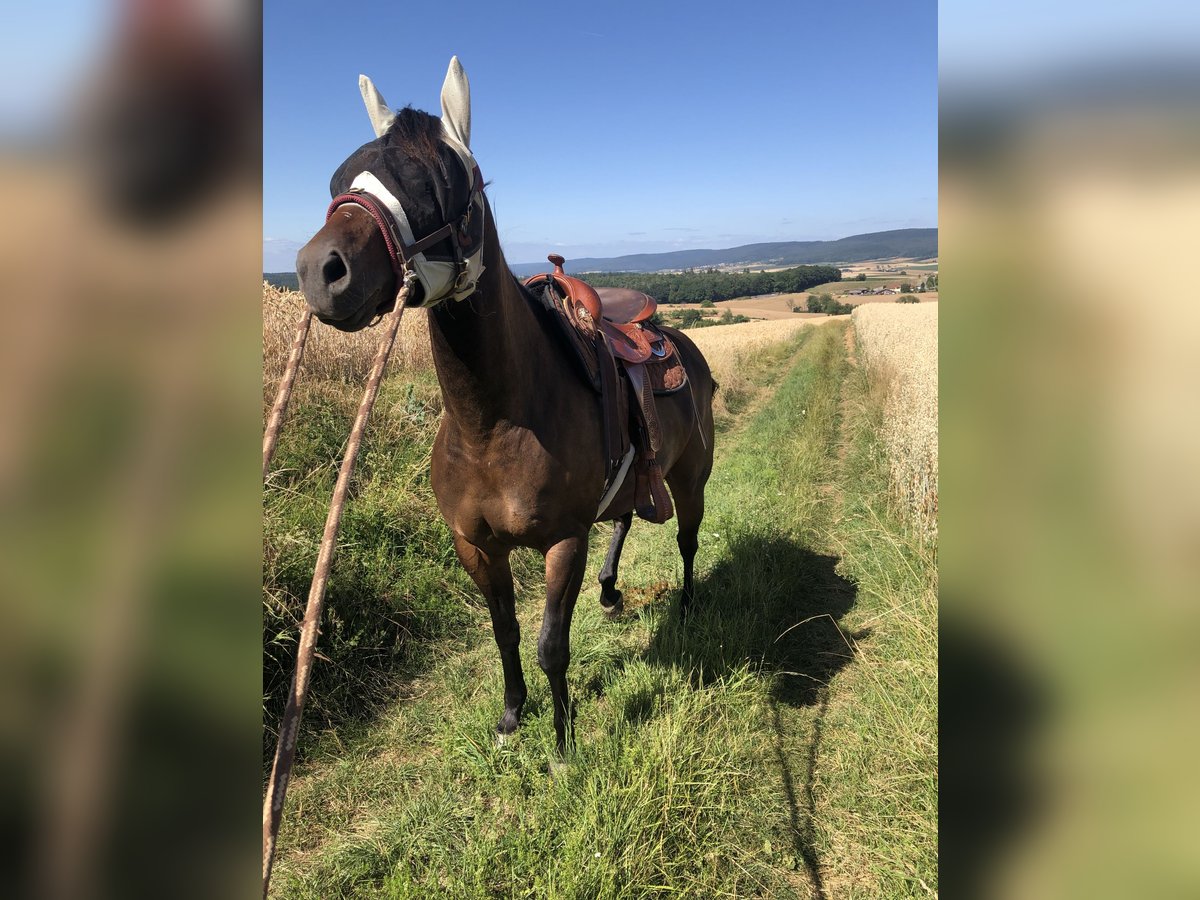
x,y
334,268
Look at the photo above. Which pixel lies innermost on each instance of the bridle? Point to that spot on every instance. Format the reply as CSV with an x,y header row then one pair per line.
x,y
465,235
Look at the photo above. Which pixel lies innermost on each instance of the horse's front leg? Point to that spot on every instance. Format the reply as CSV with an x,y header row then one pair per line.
x,y
565,564
494,578
610,597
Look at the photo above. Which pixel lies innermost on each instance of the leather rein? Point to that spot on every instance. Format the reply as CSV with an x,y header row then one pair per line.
x,y
399,253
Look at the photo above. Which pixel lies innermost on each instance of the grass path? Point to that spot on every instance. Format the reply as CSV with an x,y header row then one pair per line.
x,y
782,745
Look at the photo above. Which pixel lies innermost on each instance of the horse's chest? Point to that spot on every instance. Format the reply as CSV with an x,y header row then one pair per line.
x,y
508,489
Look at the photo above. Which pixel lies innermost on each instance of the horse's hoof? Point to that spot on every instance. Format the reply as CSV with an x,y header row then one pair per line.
x,y
507,725
616,608
501,738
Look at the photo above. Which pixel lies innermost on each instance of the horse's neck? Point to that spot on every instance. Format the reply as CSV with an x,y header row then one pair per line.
x,y
488,349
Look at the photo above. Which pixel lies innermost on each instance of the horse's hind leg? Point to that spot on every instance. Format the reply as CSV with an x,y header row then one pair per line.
x,y
494,578
689,508
565,565
610,597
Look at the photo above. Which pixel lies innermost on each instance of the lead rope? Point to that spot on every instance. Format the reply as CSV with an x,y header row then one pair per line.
x,y
289,726
279,407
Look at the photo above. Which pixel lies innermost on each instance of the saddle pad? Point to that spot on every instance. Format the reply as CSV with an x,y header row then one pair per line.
x,y
667,376
581,350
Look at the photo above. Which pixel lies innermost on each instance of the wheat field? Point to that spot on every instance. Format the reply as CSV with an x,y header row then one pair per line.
x,y
331,354
900,348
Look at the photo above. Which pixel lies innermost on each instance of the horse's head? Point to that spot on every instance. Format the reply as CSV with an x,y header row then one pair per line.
x,y
410,200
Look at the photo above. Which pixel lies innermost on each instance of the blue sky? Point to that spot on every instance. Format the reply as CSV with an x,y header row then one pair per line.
x,y
624,127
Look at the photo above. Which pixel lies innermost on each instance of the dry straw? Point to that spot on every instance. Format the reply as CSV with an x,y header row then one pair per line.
x,y
900,348
331,354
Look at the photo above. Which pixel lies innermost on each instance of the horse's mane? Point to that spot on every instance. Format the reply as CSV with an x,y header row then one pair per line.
x,y
417,134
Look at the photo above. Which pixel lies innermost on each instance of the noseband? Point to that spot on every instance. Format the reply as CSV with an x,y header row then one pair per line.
x,y
461,234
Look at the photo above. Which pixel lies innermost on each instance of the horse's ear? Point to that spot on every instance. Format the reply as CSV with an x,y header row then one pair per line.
x,y
456,103
381,116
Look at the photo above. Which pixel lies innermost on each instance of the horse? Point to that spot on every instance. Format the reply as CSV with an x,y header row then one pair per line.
x,y
518,460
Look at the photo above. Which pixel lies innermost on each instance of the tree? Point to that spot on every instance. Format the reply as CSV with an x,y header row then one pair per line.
x,y
905,287
907,298
825,303
694,286
861,276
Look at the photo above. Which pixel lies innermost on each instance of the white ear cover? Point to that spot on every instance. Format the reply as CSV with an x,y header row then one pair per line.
x,y
456,104
381,116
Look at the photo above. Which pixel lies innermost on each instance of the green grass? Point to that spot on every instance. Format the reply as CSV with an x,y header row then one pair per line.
x,y
397,596
782,744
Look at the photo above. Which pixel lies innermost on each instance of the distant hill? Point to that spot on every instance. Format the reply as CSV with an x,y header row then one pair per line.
x,y
914,243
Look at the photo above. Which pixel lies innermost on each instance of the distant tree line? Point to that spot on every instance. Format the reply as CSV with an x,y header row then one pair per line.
x,y
693,318
696,286
288,281
826,303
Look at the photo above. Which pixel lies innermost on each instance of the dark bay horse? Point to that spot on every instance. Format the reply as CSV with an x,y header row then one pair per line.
x,y
519,458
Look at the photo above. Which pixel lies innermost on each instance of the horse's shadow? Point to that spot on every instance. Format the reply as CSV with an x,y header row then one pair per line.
x,y
774,605
769,602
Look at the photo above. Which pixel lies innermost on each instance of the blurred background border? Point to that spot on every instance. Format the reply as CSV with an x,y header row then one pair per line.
x,y
130,357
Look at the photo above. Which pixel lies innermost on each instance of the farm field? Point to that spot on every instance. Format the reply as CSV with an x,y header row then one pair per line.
x,y
779,306
783,744
889,267
843,287
900,342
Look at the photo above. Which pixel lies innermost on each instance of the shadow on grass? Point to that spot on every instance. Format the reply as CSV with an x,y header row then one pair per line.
x,y
770,602
775,605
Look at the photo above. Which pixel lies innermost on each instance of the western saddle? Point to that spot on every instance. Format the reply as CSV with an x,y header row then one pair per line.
x,y
626,358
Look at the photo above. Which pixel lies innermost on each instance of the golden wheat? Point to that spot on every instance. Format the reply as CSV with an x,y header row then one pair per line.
x,y
900,348
724,346
331,354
